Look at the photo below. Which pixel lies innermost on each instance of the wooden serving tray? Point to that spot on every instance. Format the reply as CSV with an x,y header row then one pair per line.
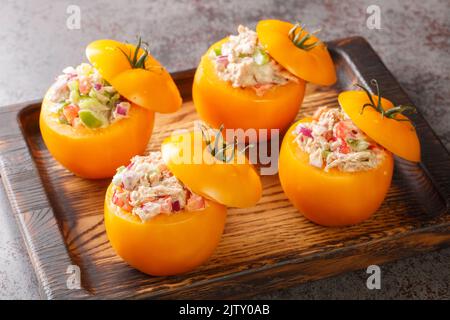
x,y
263,248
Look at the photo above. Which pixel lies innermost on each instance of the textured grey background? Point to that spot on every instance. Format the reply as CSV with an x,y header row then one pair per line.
x,y
414,42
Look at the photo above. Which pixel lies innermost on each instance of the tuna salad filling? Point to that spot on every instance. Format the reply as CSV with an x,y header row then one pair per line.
x,y
332,140
82,97
244,62
147,188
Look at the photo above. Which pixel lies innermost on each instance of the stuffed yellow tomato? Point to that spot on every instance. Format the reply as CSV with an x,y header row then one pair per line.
x,y
164,216
337,166
94,118
249,80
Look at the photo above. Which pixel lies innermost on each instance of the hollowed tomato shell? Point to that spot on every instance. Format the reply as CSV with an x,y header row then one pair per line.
x,y
331,198
232,184
399,137
217,102
96,153
314,66
166,244
152,88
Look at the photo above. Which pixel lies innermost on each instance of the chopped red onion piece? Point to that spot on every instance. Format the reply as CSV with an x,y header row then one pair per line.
x,y
305,131
121,110
222,60
176,205
98,86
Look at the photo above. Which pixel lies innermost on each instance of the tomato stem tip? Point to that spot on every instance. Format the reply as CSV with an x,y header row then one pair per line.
x,y
389,113
295,34
218,149
136,61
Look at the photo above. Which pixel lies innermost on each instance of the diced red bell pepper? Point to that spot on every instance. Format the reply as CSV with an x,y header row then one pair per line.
x,y
71,112
195,202
344,148
120,203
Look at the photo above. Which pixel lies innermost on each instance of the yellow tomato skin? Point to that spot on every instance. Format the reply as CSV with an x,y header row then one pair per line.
x,y
331,198
166,244
217,102
96,153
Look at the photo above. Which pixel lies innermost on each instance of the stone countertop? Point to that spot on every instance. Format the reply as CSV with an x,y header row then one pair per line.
x,y
414,43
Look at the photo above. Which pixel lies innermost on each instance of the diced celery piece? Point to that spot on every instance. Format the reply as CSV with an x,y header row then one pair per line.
x,y
92,104
115,96
325,153
73,85
358,145
109,89
218,51
100,97
113,100
260,57
74,96
58,106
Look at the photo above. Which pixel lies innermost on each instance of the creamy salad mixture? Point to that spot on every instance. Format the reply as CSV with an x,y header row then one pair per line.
x,y
147,188
82,97
244,62
332,140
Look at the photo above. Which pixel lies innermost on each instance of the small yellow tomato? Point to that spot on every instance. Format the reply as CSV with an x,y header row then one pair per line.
x,y
332,198
219,103
166,244
96,153
181,241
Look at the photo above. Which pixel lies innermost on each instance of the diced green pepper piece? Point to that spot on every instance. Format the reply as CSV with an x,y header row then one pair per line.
x,y
218,51
90,119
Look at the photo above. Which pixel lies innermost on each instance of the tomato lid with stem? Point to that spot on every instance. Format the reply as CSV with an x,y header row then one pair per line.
x,y
382,121
297,50
212,168
135,74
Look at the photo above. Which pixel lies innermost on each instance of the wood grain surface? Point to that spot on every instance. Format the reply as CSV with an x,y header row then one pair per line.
x,y
265,247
